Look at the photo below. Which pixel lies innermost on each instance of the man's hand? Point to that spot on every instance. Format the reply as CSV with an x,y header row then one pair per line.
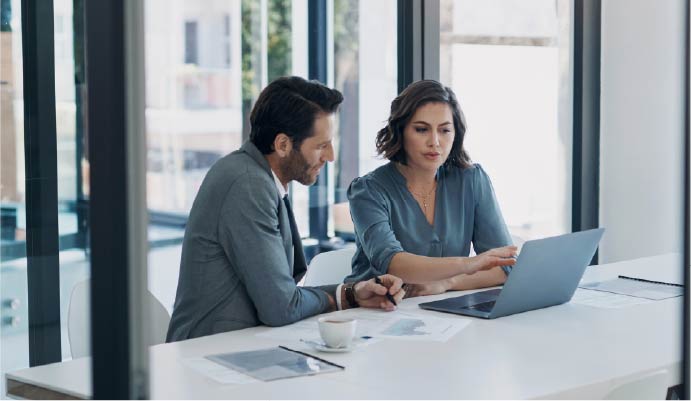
x,y
369,294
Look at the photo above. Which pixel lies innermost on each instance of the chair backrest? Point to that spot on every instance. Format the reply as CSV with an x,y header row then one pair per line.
x,y
78,320
329,267
652,386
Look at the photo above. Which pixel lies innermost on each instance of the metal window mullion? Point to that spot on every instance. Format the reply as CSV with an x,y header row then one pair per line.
x,y
418,41
81,202
408,35
430,39
137,211
40,147
317,20
114,61
586,116
686,348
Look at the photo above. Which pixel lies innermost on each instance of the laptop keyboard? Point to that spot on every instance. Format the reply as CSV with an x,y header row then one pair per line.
x,y
483,307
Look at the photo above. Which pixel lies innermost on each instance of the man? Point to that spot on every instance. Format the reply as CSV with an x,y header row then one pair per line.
x,y
242,255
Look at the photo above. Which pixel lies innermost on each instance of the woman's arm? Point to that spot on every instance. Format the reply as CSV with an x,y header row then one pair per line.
x,y
483,279
488,278
415,269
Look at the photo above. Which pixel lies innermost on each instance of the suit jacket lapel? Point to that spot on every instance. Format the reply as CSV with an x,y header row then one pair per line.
x,y
287,225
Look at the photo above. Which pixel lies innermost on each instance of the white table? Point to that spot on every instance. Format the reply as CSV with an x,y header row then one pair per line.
x,y
567,351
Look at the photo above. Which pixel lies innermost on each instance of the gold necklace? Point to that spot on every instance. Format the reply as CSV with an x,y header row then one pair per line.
x,y
424,197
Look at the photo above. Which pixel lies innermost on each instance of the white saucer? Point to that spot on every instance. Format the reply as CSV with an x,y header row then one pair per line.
x,y
324,348
320,346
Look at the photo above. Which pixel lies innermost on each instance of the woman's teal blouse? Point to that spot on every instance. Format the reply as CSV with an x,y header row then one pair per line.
x,y
389,220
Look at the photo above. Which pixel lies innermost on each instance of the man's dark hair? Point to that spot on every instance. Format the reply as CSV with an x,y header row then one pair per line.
x,y
290,105
416,95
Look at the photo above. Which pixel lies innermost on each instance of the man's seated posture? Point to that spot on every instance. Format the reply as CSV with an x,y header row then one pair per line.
x,y
242,255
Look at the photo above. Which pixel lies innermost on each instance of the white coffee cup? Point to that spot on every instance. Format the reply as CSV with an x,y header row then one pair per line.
x,y
337,332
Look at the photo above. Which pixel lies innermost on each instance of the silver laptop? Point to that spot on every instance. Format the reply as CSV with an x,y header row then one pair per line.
x,y
546,273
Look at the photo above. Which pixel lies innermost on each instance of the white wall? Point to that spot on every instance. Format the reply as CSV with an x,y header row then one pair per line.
x,y
641,159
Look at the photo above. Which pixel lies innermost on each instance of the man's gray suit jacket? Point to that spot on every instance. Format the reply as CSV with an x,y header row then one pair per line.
x,y
237,260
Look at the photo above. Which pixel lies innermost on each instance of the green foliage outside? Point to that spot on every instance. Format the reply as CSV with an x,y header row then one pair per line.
x,y
278,43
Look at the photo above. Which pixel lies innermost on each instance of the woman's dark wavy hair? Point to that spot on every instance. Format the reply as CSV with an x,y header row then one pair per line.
x,y
416,95
290,105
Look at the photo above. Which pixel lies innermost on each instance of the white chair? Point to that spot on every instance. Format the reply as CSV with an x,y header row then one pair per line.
x,y
652,386
329,267
78,320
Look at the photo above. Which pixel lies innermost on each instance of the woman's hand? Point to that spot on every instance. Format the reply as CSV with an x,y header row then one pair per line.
x,y
504,256
369,294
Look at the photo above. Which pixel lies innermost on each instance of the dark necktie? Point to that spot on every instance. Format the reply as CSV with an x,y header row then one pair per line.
x,y
299,266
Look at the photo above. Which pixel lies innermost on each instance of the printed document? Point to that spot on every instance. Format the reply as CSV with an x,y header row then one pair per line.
x,y
274,363
607,300
373,324
637,288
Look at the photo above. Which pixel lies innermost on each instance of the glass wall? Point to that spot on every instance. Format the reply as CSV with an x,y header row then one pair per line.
x,y
509,63
14,326
206,63
73,166
72,182
193,103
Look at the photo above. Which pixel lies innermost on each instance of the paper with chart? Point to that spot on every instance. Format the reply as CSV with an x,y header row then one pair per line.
x,y
373,325
417,327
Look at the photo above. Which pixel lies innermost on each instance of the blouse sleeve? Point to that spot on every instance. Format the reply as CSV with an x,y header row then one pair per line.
x,y
489,229
370,212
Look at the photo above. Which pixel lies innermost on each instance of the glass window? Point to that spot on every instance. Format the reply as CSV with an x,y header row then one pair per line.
x,y
206,63
193,96
14,316
72,166
508,61
365,71
72,179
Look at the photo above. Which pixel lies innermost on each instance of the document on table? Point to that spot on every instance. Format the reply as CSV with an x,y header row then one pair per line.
x,y
275,363
422,328
637,288
217,372
379,325
607,300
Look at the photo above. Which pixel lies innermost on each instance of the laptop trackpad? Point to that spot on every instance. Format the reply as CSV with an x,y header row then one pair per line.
x,y
465,301
482,297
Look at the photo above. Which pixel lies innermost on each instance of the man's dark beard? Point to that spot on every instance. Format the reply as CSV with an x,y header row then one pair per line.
x,y
296,168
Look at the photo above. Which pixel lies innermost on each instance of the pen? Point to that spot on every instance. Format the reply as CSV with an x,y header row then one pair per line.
x,y
650,281
388,296
311,356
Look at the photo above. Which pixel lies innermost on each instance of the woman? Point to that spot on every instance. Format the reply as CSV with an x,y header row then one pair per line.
x,y
417,216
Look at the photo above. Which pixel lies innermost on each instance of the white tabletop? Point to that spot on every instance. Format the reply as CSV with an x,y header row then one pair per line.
x,y
566,351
